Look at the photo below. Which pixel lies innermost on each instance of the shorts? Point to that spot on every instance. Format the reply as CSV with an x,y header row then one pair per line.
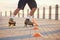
x,y
31,4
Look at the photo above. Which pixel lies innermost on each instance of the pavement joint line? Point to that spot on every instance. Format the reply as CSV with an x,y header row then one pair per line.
x,y
28,36
45,33
5,28
14,28
17,37
50,32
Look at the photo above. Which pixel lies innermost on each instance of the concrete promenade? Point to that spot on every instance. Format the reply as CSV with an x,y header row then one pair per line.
x,y
48,29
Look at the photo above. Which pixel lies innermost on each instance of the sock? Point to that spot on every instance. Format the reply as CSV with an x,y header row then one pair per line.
x,y
13,16
29,17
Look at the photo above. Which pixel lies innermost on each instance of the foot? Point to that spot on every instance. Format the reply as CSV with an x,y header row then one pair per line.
x,y
28,22
11,21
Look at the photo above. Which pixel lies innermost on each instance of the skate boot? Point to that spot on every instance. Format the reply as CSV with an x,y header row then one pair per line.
x,y
11,22
28,22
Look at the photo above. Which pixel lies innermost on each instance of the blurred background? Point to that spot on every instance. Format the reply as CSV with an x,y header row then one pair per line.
x,y
11,5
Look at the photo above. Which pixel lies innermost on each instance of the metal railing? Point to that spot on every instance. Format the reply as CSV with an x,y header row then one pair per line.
x,y
43,13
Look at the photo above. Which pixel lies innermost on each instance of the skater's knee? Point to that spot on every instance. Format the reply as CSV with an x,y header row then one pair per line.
x,y
34,8
17,9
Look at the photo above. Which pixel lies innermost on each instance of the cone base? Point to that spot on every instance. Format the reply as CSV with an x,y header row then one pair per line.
x,y
36,35
35,28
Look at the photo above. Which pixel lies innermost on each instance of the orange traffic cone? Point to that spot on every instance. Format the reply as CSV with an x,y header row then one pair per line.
x,y
35,28
35,24
36,35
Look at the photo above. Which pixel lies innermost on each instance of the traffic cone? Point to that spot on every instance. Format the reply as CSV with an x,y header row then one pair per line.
x,y
36,35
35,24
35,28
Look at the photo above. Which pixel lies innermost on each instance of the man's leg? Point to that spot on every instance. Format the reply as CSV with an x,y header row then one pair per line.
x,y
21,5
32,11
12,18
15,13
32,4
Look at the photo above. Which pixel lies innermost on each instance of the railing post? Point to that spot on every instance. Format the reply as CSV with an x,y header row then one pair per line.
x,y
10,13
43,12
49,12
23,14
1,13
38,13
56,12
5,13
